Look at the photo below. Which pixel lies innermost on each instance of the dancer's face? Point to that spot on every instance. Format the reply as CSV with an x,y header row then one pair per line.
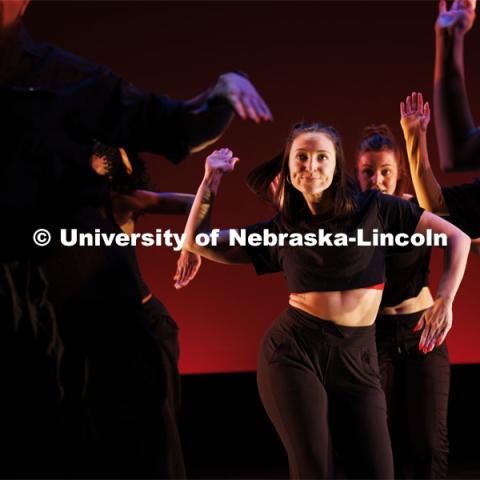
x,y
10,12
378,171
312,163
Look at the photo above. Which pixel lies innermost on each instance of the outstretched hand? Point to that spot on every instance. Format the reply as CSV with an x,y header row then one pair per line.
x,y
458,19
242,96
188,265
436,323
220,161
414,114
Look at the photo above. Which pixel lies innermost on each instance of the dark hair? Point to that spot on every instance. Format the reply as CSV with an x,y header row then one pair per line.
x,y
121,180
379,138
286,198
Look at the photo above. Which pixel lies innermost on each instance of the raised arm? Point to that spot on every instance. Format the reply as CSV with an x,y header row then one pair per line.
x,y
437,320
216,165
414,119
139,121
458,139
211,112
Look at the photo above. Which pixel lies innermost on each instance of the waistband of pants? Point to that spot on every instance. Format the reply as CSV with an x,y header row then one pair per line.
x,y
297,318
401,322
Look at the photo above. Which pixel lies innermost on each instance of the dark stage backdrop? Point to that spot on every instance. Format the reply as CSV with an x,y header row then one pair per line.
x,y
345,63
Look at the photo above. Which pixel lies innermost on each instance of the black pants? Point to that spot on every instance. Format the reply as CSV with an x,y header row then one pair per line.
x,y
113,372
416,387
165,331
320,385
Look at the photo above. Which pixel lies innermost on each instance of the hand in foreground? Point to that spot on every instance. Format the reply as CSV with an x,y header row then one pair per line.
x,y
459,19
220,161
414,114
242,96
188,265
436,323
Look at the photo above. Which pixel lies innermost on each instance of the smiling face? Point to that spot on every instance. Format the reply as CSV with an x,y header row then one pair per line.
x,y
312,163
378,171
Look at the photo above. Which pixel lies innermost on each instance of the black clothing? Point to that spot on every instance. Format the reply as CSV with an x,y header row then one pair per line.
x,y
319,382
407,270
416,386
332,268
463,202
101,410
407,273
320,385
53,106
165,332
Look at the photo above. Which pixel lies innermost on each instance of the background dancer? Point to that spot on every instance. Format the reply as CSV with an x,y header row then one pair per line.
x,y
416,381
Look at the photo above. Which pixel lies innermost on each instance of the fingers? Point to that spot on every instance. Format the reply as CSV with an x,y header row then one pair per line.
x,y
409,104
431,339
262,109
221,153
238,107
179,274
182,279
188,266
442,6
244,98
428,337
420,103
402,109
250,109
424,338
420,324
267,114
426,111
442,337
414,101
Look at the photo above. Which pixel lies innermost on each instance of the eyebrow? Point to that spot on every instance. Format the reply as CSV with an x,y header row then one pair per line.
x,y
316,151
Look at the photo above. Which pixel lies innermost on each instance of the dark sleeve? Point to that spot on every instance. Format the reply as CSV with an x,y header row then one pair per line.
x,y
463,203
118,114
264,258
398,215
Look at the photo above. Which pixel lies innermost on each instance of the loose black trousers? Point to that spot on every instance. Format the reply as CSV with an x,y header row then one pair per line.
x,y
320,385
165,331
416,388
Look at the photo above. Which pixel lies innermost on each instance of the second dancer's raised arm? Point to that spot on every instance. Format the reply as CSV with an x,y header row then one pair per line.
x,y
414,119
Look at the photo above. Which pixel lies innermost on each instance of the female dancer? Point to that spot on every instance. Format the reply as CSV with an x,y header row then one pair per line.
x,y
416,383
129,200
318,372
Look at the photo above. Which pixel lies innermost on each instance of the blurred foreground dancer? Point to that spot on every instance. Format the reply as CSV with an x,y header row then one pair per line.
x,y
81,372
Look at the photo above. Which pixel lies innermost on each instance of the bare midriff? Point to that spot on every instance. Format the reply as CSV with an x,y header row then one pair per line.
x,y
422,301
350,308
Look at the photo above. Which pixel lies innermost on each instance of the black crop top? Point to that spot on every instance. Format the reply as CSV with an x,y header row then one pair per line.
x,y
407,272
463,202
336,268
